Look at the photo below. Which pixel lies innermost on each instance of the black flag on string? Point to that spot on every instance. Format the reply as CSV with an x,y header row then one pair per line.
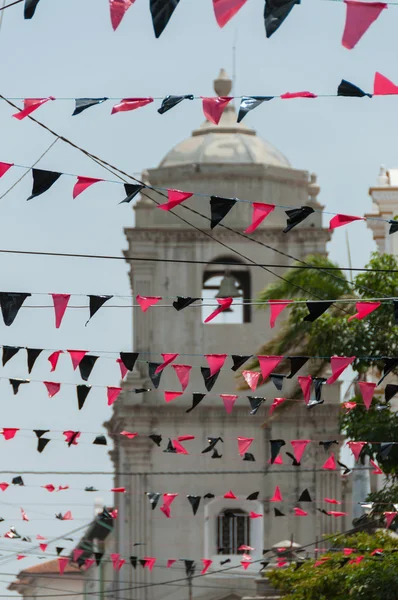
x,y
16,383
171,101
86,365
219,208
316,309
349,89
296,363
84,103
131,189
155,377
153,498
194,502
11,303
82,393
33,354
30,7
249,103
208,379
9,352
393,227
255,403
95,304
275,12
42,181
161,11
276,445
296,216
129,359
238,361
183,302
196,399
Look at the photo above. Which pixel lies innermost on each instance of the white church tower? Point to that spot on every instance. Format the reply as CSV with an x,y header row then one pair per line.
x,y
227,160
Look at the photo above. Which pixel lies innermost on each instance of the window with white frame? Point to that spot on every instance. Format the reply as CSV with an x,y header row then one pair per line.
x,y
233,531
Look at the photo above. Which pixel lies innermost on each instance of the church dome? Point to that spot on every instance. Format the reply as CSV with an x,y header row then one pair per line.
x,y
227,142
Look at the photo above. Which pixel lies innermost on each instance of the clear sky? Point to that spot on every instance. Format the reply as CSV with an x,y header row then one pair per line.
x,y
69,50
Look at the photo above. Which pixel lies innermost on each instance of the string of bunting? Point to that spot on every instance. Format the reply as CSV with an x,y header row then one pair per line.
x,y
359,15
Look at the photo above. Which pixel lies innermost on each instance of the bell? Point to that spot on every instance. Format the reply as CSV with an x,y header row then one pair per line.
x,y
228,288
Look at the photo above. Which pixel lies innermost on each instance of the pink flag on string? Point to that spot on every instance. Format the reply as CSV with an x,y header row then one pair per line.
x,y
118,9
224,10
377,470
167,358
348,406
260,212
331,501
123,368
4,168
77,357
251,378
168,499
43,547
348,551
169,396
230,495
112,394
244,444
254,515
9,433
336,513
53,359
67,516
224,303
171,562
367,389
24,515
277,306
245,564
229,401
4,486
290,95
356,448
129,434
179,447
305,382
89,562
359,17
340,220
277,497
298,448
183,372
206,564
49,487
278,460
149,562
62,564
390,516
299,512
330,464
268,364
128,104
115,557
175,197
30,105
147,301
82,184
52,388
364,309
383,86
277,402
213,108
215,362
339,364
118,490
71,437
20,556
77,554
60,303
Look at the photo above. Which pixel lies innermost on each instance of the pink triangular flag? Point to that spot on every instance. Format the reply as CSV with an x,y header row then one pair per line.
x,y
60,303
147,301
169,396
9,432
112,394
52,388
224,303
20,556
349,406
305,382
390,516
43,547
128,104
118,490
377,470
89,562
356,448
30,105
118,10
115,559
62,564
123,368
183,373
171,562
213,108
339,364
277,497
277,402
175,197
4,168
77,357
24,515
290,95
179,447
206,564
82,184
167,358
383,86
367,389
277,461
76,554
330,464
129,435
215,362
260,212
364,309
224,10
359,17
53,359
120,563
229,401
340,220
276,307
244,444
268,364
245,564
348,551
254,515
230,495
299,512
331,501
149,562
67,516
336,513
298,448
251,378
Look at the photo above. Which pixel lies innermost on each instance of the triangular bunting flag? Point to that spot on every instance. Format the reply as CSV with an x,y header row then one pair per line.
x,y
52,388
276,445
132,190
29,11
275,12
356,448
128,104
11,303
390,390
171,101
251,378
32,356
389,365
95,304
349,89
183,373
330,463
209,379
276,307
82,104
298,448
277,380
42,181
383,86
30,105
175,197
277,497
118,9
16,383
169,396
146,302
9,352
219,208
238,361
296,216
359,17
167,358
77,357
255,403
340,220
339,364
113,394
60,304
229,401
305,496
196,400
367,389
4,167
82,184
161,11
129,359
268,364
213,109
224,303
182,302
82,393
247,104
364,309
194,502
155,378
244,444
316,309
224,10
86,366
296,363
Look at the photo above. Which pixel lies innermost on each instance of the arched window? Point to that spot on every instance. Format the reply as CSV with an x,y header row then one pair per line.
x,y
235,278
233,531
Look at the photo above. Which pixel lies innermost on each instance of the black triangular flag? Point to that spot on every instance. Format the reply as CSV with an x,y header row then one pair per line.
x,y
100,440
275,12
249,103
161,11
129,359
296,363
171,101
42,181
349,89
249,457
189,567
389,365
95,304
153,498
143,562
82,393
98,557
42,443
84,103
278,513
219,208
30,7
133,560
294,459
209,380
277,380
212,441
296,216
209,495
328,444
17,480
59,550
239,361
305,496
131,189
40,432
157,439
347,470
318,383
276,445
16,383
253,496
86,365
393,227
216,454
316,309
170,448
255,403
224,562
155,377
196,399
9,352
182,302
390,391
385,449
194,502
90,488
11,303
33,354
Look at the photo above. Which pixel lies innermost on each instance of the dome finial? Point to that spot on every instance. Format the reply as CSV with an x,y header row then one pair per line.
x,y
223,84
